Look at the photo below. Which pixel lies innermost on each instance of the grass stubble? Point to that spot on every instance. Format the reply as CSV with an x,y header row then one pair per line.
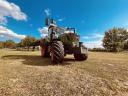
x,y
27,74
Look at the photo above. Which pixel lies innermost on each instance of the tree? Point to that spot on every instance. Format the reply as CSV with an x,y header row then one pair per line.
x,y
1,44
114,39
10,44
27,42
126,45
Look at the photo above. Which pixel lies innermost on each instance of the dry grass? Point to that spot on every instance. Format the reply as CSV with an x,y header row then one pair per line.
x,y
26,73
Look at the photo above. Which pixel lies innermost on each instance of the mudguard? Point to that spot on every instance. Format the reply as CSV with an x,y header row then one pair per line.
x,y
80,49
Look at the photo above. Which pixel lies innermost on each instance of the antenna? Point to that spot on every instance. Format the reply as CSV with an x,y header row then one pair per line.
x,y
47,21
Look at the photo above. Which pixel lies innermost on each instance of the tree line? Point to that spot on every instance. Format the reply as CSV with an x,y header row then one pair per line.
x,y
115,40
27,42
7,44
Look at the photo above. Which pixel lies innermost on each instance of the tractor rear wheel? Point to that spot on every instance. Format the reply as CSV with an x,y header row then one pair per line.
x,y
57,52
80,57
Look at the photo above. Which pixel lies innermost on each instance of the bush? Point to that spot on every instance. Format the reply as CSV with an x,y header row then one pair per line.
x,y
114,40
98,50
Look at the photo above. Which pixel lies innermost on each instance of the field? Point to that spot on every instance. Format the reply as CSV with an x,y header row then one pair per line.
x,y
27,74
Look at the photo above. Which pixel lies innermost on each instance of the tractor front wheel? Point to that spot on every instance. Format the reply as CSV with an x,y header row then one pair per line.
x,y
57,52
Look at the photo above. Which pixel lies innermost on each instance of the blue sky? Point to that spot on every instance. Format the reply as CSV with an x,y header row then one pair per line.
x,y
91,18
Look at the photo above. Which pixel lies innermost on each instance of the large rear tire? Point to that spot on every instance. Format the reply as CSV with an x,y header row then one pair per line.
x,y
57,52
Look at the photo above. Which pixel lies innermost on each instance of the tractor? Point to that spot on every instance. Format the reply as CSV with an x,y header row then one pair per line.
x,y
60,42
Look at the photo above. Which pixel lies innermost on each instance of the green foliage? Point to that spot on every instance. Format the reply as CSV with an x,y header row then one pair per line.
x,y
114,39
126,45
1,44
10,44
27,42
98,50
7,44
20,44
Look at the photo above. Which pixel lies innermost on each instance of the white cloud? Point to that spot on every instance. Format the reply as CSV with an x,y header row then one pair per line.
x,y
93,44
8,9
94,36
3,20
61,19
1,35
43,31
5,32
94,41
47,12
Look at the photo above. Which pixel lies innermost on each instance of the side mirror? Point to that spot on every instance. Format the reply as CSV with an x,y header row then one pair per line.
x,y
47,22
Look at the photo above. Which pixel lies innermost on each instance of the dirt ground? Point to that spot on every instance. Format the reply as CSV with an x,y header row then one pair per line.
x,y
27,74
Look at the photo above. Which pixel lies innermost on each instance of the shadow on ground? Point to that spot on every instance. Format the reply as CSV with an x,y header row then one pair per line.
x,y
36,60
